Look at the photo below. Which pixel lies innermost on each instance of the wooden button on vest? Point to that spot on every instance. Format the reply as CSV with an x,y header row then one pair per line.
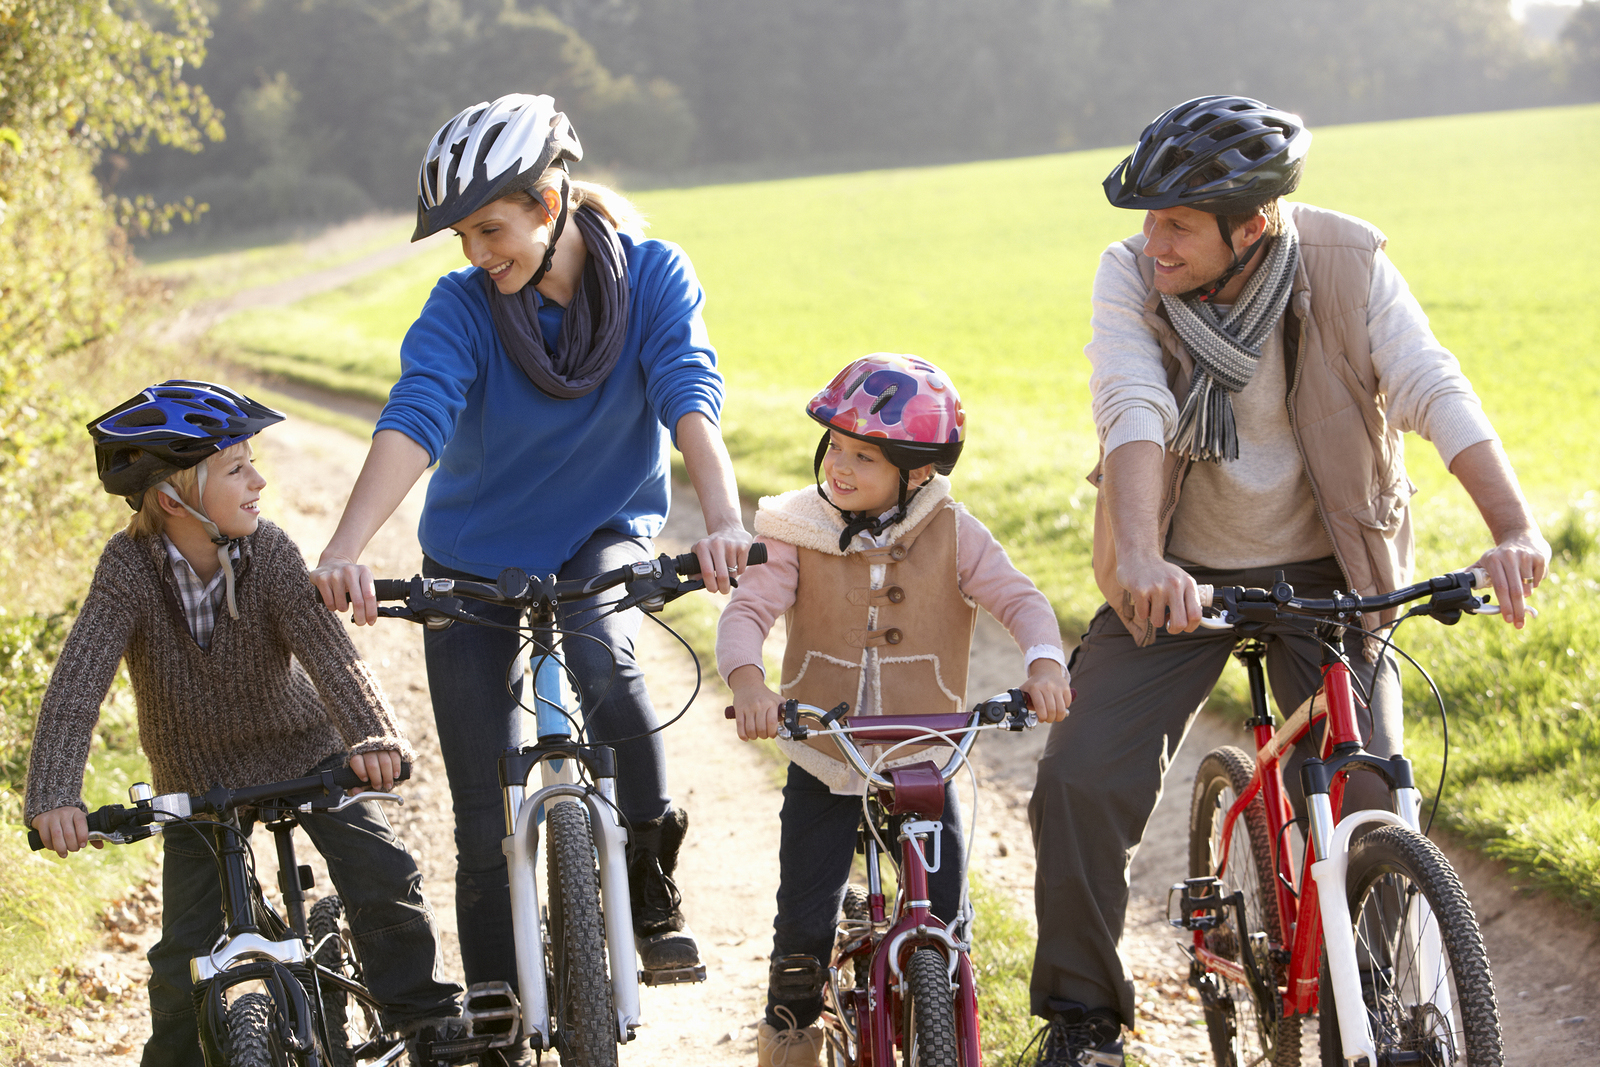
x,y
893,635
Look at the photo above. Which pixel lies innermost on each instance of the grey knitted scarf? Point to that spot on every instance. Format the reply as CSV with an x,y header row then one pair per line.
x,y
1227,350
593,328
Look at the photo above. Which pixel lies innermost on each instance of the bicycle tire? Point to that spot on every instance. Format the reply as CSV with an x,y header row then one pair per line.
x,y
1389,868
857,910
1242,1031
250,1041
325,924
586,1024
930,1013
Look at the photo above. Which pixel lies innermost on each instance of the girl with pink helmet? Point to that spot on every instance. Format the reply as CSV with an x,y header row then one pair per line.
x,y
879,573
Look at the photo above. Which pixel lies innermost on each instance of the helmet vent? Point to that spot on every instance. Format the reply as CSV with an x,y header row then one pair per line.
x,y
850,392
883,399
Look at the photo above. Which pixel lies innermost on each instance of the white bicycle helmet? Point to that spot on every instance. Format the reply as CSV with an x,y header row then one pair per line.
x,y
487,151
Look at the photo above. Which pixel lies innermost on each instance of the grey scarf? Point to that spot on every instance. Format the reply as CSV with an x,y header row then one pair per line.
x,y
593,328
1226,351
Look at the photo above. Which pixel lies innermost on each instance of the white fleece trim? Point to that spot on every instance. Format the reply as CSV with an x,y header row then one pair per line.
x,y
938,675
805,520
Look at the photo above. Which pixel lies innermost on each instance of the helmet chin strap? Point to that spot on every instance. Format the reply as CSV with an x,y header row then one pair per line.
x,y
555,236
217,537
1240,259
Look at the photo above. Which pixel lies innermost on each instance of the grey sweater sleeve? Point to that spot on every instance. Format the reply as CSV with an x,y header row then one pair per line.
x,y
1127,380
78,685
355,702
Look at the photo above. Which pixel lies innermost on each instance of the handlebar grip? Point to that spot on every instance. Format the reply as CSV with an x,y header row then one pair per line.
x,y
1480,577
688,564
728,712
345,778
1206,592
392,588
35,842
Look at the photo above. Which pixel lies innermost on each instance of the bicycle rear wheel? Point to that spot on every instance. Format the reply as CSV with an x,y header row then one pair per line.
x,y
1245,1026
1425,978
586,1022
930,1013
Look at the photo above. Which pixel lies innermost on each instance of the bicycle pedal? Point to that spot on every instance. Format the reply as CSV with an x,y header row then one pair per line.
x,y
673,975
1200,904
491,1010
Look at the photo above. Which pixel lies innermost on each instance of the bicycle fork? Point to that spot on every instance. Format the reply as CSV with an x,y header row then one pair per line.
x,y
521,849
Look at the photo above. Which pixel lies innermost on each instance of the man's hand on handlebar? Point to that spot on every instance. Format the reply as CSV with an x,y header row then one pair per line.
x,y
379,769
755,707
1049,690
64,830
1515,567
1158,590
722,555
344,583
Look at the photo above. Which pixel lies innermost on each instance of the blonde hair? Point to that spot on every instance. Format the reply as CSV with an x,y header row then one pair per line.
x,y
150,519
621,212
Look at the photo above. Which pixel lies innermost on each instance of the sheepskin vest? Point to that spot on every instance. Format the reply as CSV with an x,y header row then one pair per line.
x,y
905,639
1352,454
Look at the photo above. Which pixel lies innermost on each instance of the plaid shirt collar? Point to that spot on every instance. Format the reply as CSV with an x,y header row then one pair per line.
x,y
199,600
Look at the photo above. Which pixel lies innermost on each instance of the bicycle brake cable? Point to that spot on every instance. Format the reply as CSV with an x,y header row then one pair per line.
x,y
1438,699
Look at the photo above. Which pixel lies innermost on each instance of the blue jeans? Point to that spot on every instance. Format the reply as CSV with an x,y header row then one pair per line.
x,y
477,686
376,878
816,846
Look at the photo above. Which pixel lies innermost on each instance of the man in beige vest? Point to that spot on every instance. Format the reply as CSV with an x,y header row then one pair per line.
x,y
1255,363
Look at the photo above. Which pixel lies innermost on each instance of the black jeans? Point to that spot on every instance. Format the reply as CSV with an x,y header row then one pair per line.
x,y
376,878
475,705
815,850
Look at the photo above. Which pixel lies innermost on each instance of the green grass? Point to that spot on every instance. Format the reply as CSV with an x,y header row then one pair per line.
x,y
986,269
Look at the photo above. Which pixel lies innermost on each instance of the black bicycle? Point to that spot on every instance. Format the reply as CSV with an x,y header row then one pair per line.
x,y
577,972
276,990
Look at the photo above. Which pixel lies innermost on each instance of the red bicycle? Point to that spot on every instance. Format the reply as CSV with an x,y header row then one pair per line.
x,y
900,978
1374,915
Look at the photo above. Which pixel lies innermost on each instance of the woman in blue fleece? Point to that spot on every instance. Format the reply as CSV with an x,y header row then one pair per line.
x,y
544,380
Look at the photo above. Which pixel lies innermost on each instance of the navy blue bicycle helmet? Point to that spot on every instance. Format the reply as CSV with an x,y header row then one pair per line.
x,y
168,428
1226,155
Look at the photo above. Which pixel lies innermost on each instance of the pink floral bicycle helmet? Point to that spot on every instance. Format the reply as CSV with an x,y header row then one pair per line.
x,y
904,405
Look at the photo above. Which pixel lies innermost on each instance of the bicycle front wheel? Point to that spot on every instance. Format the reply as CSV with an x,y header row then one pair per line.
x,y
1425,980
251,1041
930,1013
586,1023
1246,1025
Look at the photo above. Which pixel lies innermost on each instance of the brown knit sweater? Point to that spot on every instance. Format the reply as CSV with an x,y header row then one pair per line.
x,y
245,712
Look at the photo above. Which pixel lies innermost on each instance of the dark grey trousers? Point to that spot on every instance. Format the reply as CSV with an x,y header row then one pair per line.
x,y
1100,775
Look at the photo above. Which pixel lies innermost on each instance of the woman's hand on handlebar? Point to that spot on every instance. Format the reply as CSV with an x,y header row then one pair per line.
x,y
64,830
379,769
723,554
1049,689
344,583
755,707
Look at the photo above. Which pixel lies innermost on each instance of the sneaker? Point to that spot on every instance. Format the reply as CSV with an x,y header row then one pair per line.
x,y
1077,1036
791,1047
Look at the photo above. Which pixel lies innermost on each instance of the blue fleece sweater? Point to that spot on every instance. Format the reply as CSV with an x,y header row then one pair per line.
x,y
524,479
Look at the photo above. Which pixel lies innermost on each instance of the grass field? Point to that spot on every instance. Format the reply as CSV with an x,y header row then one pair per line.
x,y
986,269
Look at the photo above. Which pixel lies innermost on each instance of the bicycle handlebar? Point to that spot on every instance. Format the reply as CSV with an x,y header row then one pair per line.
x,y
1007,711
327,790
1449,595
651,583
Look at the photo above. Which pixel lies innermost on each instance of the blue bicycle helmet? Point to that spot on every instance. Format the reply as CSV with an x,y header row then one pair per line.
x,y
168,428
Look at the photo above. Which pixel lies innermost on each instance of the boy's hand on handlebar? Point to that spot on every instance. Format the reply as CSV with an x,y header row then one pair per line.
x,y
64,830
1515,567
755,707
378,769
344,583
1049,690
723,554
1160,591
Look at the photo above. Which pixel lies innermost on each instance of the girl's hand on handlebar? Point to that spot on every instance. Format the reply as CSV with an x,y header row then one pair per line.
x,y
1049,689
64,830
344,583
755,707
723,554
378,769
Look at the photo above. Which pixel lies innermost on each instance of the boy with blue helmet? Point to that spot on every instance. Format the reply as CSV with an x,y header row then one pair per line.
x,y
269,690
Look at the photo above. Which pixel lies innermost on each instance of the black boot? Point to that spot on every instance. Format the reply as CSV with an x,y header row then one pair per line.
x,y
667,949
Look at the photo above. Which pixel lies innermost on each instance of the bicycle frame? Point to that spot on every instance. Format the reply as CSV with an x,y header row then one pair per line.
x,y
1318,895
